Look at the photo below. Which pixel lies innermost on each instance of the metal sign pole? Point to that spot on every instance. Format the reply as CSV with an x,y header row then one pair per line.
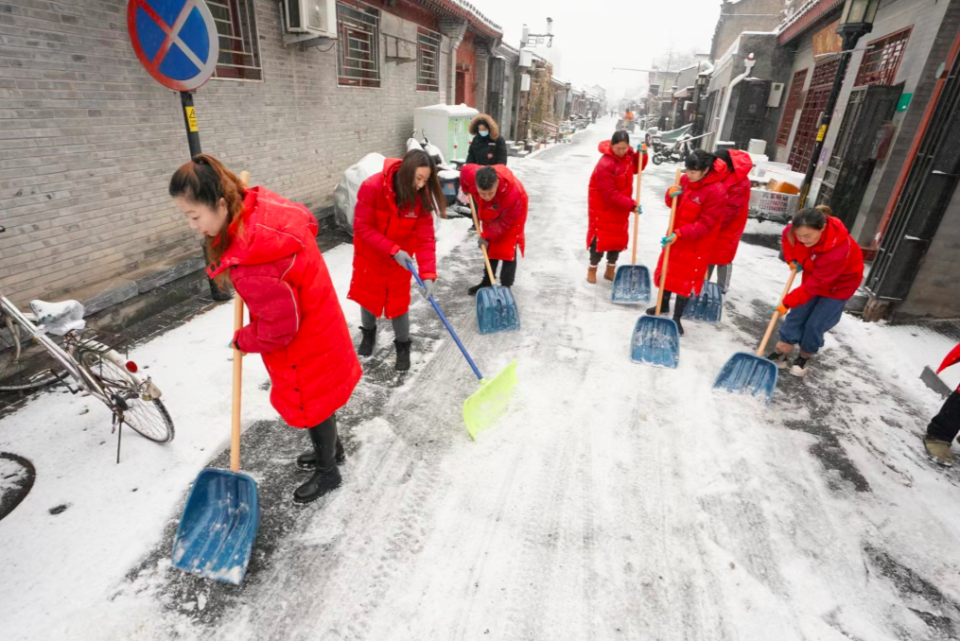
x,y
190,120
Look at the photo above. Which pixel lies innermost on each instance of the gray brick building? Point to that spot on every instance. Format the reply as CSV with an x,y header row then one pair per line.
x,y
88,140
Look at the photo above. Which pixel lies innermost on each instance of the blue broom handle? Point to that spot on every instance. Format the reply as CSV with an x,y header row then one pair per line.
x,y
446,323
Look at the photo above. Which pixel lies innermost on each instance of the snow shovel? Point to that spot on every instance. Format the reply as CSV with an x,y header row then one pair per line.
x,y
496,309
484,407
631,284
222,516
656,341
708,306
751,374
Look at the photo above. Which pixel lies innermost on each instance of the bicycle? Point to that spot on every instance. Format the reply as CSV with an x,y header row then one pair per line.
x,y
96,368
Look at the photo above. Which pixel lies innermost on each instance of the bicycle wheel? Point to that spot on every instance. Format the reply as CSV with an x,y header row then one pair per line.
x,y
150,419
30,370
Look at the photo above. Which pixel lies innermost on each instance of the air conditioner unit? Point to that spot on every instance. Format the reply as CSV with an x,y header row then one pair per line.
x,y
314,17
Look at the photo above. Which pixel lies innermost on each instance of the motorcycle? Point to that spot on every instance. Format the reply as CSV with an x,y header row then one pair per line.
x,y
676,153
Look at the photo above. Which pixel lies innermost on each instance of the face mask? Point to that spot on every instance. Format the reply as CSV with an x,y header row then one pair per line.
x,y
484,133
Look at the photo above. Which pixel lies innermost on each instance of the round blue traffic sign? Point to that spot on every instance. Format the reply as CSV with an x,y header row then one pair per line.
x,y
176,41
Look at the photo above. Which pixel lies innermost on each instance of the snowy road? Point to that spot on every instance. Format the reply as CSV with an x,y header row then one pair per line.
x,y
614,501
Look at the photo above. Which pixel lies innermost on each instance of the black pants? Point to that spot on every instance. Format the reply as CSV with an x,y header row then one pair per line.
x,y
945,425
507,274
595,256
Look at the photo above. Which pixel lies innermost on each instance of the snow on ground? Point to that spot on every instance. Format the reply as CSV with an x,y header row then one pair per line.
x,y
613,501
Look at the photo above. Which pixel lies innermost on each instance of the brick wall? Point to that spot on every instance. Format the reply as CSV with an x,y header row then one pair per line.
x,y
467,57
88,140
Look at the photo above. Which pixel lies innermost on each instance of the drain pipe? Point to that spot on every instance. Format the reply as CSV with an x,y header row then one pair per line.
x,y
750,61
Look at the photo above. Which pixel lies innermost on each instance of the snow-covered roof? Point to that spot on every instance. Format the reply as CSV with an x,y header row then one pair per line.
x,y
465,10
808,15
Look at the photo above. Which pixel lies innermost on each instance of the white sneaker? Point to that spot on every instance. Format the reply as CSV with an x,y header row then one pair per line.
x,y
799,367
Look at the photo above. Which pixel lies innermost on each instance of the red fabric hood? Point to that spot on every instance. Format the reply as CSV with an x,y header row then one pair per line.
x,y
272,228
742,163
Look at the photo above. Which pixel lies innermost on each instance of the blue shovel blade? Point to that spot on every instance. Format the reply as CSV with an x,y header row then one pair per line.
x,y
631,285
656,341
748,374
218,527
497,310
708,306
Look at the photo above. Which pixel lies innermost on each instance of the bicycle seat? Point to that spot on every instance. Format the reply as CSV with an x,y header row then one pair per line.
x,y
58,318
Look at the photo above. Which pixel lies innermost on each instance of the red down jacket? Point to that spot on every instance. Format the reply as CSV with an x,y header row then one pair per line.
x,y
610,201
951,359
700,209
296,322
833,268
738,207
379,284
503,218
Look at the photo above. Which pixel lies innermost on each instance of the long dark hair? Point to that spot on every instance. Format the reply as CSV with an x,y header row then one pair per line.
x,y
724,155
700,160
205,180
811,217
431,196
619,136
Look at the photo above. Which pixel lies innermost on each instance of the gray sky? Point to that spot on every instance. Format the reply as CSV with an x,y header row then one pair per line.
x,y
595,35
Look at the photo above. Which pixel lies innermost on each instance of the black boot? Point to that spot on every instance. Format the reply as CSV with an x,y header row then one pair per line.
x,y
665,308
326,477
308,460
403,355
476,288
678,312
368,341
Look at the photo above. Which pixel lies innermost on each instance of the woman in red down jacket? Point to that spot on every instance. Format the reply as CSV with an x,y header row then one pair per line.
x,y
700,208
945,426
501,203
611,202
734,220
266,246
819,246
393,222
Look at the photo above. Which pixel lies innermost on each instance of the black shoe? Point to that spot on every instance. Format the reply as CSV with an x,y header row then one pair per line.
x,y
308,460
779,359
664,309
403,355
679,325
476,288
368,341
799,367
322,482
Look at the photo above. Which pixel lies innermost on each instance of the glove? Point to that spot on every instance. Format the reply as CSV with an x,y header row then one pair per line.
x,y
796,266
427,290
666,240
674,192
482,242
781,309
642,148
402,258
232,346
638,209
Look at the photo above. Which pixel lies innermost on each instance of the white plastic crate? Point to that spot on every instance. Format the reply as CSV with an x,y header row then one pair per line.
x,y
771,203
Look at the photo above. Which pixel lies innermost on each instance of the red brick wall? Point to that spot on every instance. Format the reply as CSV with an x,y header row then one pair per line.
x,y
467,57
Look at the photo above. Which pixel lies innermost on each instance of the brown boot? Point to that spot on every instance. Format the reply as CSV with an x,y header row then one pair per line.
x,y
592,274
611,271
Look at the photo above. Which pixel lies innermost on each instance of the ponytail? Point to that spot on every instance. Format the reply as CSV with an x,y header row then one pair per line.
x,y
205,180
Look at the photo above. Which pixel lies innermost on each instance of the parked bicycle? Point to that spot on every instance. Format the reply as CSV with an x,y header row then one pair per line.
x,y
95,368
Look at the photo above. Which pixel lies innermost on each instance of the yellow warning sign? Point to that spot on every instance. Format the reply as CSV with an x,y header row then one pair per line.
x,y
820,134
191,119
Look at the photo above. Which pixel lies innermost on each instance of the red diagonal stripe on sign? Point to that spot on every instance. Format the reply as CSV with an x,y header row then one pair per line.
x,y
167,29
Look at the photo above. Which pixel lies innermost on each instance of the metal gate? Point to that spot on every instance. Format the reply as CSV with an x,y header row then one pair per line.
x,y
496,96
805,138
854,156
926,193
751,111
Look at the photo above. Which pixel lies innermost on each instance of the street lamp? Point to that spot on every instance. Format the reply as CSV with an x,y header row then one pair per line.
x,y
855,21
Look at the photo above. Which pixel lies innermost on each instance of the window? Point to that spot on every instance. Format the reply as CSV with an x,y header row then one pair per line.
x,y
813,106
358,46
790,110
239,43
882,59
428,60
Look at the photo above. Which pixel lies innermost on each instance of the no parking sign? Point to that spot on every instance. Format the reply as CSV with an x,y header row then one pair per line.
x,y
176,41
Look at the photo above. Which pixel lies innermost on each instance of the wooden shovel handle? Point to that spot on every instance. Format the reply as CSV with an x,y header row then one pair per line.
x,y
666,253
237,384
636,215
776,314
476,223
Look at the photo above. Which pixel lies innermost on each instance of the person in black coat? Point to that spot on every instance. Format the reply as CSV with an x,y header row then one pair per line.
x,y
487,147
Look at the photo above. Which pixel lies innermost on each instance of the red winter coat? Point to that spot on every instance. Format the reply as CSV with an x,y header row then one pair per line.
x,y
951,359
296,322
379,284
738,206
833,268
503,218
699,211
610,201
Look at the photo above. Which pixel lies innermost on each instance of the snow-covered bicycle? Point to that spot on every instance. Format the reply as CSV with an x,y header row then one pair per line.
x,y
95,368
